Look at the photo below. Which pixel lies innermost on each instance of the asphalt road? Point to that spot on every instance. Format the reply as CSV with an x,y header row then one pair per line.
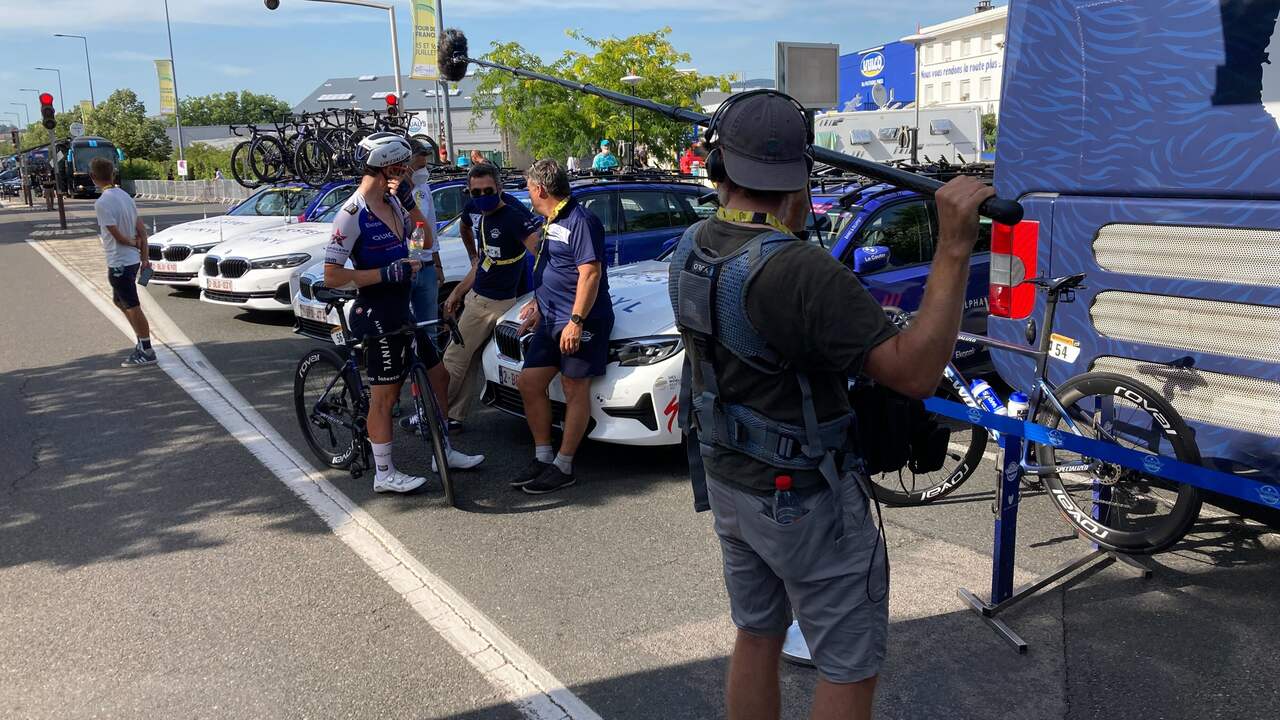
x,y
150,565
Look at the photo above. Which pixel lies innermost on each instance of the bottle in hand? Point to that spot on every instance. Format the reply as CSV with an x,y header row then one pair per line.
x,y
786,503
418,240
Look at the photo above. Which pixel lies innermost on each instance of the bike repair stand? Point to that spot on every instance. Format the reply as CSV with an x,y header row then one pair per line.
x,y
1003,597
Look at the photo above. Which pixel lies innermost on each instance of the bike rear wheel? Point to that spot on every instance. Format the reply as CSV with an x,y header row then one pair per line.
x,y
314,161
432,420
241,169
267,159
964,454
1120,509
329,413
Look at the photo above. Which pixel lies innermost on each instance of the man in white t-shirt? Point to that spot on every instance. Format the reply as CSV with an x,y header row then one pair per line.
x,y
124,242
426,285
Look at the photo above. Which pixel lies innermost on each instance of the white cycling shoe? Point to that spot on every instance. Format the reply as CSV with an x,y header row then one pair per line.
x,y
397,482
459,461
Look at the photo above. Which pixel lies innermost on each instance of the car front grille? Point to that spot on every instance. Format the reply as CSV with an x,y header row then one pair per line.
x,y
305,288
173,277
233,267
211,266
314,329
155,252
508,400
507,336
235,297
177,253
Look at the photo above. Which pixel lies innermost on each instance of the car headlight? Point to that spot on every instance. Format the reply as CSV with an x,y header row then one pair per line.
x,y
634,352
202,249
280,262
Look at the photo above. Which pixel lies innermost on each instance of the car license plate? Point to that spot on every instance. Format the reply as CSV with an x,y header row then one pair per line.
x,y
507,376
165,267
1063,348
217,284
310,312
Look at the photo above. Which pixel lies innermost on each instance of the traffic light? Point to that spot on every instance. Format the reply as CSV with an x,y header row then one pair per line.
x,y
46,111
393,103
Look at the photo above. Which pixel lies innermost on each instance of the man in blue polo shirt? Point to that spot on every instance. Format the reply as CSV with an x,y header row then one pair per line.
x,y
570,317
505,233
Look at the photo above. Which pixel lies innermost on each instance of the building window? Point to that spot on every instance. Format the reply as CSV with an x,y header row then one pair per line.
x,y
928,94
975,43
946,92
985,88
986,42
935,52
946,51
964,91
966,49
957,48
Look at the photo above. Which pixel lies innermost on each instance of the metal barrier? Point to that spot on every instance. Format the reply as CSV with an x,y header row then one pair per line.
x,y
194,191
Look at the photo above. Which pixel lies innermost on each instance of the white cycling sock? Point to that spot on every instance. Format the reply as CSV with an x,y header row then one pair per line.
x,y
565,463
382,460
544,453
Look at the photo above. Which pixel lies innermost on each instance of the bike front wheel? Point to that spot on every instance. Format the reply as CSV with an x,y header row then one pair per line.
x,y
241,169
964,452
315,162
1120,509
329,412
267,159
431,422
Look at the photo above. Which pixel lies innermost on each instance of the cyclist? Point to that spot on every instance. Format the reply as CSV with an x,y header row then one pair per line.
x,y
370,232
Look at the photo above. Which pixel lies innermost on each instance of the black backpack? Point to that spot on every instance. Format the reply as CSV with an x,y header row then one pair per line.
x,y
894,431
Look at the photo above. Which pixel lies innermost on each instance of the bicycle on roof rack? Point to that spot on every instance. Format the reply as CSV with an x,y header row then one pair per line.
x,y
1115,507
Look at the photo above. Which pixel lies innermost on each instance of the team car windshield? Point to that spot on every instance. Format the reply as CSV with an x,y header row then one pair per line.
x,y
277,201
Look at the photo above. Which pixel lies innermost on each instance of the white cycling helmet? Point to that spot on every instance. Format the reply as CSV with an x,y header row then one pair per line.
x,y
384,149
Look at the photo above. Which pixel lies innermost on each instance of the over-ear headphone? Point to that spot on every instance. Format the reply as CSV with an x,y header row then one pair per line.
x,y
715,162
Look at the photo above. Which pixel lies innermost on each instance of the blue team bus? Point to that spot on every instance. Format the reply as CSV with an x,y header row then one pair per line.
x,y
1143,139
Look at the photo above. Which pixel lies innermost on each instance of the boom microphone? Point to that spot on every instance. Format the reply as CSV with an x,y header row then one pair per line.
x,y
453,61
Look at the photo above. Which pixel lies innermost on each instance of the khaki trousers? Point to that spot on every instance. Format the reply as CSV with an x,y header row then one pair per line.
x,y
480,316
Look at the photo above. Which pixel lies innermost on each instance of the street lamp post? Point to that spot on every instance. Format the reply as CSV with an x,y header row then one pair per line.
x,y
25,109
631,80
177,111
88,68
62,99
916,41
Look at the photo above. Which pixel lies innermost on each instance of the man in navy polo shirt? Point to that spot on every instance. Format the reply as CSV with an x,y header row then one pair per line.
x,y
505,233
570,317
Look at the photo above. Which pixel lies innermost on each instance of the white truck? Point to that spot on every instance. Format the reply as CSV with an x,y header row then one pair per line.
x,y
953,134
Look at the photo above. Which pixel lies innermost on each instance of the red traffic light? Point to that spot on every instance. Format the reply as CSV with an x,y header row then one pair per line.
x,y
392,100
46,99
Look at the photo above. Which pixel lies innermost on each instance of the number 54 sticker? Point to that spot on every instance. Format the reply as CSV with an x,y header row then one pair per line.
x,y
1063,348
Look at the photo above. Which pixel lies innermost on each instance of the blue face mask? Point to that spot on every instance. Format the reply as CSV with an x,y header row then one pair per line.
x,y
486,203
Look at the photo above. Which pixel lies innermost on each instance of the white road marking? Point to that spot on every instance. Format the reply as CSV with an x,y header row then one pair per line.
x,y
512,671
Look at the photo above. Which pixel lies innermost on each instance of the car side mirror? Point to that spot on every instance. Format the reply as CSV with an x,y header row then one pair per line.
x,y
869,259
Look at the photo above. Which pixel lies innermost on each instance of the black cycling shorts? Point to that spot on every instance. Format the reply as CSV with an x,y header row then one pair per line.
x,y
124,286
387,359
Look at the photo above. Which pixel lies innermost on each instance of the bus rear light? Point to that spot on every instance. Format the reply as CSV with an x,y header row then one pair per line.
x,y
1013,261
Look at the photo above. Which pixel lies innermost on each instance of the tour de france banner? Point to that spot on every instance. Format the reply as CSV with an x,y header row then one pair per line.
x,y
168,98
424,40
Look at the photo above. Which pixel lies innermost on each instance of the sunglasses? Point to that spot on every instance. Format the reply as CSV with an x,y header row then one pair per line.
x,y
481,192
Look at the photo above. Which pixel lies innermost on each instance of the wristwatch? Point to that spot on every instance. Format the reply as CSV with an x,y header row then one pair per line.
x,y
576,319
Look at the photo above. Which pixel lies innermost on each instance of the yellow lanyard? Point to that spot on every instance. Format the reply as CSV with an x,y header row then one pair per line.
x,y
546,226
487,263
751,218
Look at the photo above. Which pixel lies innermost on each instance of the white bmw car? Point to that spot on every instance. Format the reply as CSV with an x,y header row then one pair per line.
x,y
253,270
636,401
177,252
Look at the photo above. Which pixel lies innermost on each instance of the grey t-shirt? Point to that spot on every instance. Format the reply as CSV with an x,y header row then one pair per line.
x,y
814,311
115,207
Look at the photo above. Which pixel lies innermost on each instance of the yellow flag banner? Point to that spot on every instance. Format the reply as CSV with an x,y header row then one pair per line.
x,y
168,98
424,40
86,107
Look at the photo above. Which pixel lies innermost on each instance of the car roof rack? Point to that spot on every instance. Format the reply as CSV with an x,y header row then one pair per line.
x,y
662,176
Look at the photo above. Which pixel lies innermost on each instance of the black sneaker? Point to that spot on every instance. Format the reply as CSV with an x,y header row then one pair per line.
x,y
531,472
139,358
551,480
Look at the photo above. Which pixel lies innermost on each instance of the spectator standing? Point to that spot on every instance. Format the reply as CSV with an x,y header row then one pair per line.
x,y
169,175
571,317
572,165
506,234
124,242
605,159
217,174
477,158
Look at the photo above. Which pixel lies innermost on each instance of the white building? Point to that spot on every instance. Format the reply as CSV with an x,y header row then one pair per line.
x,y
963,64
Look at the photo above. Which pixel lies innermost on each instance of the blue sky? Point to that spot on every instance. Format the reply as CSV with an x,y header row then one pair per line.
x,y
238,44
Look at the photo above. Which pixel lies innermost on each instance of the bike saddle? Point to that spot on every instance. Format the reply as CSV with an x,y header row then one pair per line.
x,y
1057,285
332,295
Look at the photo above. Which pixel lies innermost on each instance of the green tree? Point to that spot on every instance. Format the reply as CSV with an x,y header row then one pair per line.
x,y
550,121
36,134
123,120
989,130
227,108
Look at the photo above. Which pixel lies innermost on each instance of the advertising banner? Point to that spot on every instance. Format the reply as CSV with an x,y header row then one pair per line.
x,y
86,107
168,98
424,40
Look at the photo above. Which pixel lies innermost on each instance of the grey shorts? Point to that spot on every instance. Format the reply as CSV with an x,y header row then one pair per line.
x,y
771,570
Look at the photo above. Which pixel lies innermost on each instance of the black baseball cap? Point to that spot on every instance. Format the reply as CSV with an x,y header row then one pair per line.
x,y
763,141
